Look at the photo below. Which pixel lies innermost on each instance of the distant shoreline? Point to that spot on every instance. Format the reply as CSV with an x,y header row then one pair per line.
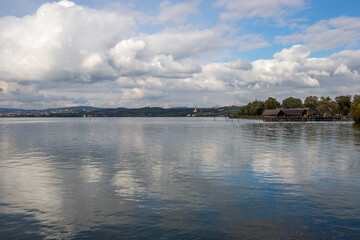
x,y
125,112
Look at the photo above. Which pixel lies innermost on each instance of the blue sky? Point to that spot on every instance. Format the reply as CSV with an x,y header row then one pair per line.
x,y
175,53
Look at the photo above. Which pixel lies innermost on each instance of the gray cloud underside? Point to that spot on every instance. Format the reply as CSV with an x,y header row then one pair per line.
x,y
66,54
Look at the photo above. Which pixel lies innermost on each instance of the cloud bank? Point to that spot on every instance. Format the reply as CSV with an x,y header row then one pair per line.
x,y
66,54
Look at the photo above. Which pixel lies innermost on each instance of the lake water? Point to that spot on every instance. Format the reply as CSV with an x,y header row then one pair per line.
x,y
178,178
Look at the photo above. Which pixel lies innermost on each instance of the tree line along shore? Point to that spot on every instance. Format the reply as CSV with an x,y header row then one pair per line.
x,y
342,106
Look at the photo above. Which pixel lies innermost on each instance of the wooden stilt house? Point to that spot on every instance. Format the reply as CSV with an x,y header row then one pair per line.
x,y
297,112
273,113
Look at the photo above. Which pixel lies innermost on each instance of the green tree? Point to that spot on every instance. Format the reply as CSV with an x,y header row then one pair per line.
x,y
251,109
344,104
291,102
311,102
325,100
355,109
356,99
326,103
257,107
271,103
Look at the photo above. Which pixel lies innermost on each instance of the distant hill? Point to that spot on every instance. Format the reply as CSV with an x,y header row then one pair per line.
x,y
180,108
142,112
80,111
165,112
10,110
16,110
72,108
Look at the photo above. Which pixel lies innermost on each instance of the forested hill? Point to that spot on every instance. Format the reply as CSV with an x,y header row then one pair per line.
x,y
77,108
122,112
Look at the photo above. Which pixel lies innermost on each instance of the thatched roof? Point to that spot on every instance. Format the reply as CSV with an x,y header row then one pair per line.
x,y
296,111
315,112
329,112
272,112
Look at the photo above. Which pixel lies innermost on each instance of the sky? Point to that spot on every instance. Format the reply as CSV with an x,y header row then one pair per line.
x,y
203,53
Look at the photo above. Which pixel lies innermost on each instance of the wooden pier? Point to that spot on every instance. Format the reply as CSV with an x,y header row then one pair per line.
x,y
305,119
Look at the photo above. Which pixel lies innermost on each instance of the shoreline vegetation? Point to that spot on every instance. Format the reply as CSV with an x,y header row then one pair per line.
x,y
341,108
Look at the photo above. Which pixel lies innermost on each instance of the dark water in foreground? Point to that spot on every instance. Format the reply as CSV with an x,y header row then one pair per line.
x,y
178,178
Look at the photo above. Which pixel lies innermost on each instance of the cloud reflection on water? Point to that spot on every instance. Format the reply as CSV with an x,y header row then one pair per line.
x,y
179,174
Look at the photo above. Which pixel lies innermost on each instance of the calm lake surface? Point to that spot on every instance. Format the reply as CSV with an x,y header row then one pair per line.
x,y
178,178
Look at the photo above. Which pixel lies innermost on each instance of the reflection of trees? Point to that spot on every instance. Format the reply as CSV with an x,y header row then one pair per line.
x,y
294,151
312,135
356,134
274,133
